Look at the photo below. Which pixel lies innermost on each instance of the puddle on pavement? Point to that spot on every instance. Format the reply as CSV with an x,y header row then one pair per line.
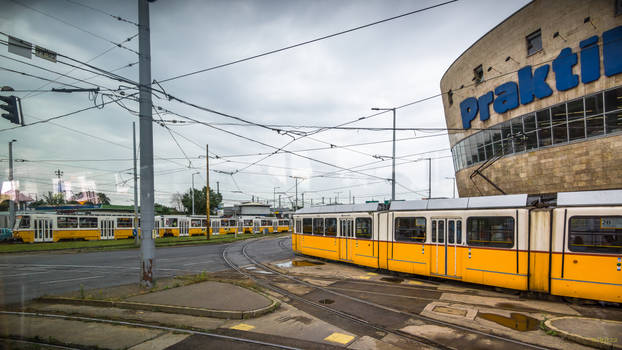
x,y
516,321
515,307
392,279
326,301
298,263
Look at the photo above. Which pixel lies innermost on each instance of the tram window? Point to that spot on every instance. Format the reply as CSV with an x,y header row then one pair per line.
x,y
491,231
459,231
363,228
331,226
171,222
307,225
433,230
441,231
195,222
232,223
410,229
450,231
265,223
595,234
318,227
298,228
24,222
67,222
121,222
203,223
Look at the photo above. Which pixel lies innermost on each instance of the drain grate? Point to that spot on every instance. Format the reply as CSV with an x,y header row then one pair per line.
x,y
326,301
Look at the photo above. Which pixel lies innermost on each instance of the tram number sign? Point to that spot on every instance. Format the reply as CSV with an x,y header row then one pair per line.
x,y
611,223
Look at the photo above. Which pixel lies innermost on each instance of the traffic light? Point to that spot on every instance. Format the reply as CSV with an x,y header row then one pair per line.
x,y
13,106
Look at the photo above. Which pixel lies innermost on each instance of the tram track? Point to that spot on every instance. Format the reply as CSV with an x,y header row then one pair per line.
x,y
429,320
143,325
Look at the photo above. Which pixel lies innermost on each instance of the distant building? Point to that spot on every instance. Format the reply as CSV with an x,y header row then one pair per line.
x,y
252,209
540,98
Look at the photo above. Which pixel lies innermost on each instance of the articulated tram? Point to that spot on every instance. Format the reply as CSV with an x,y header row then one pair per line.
x,y
52,227
572,248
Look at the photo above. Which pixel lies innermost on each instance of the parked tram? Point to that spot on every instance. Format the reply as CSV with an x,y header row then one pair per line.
x,y
572,248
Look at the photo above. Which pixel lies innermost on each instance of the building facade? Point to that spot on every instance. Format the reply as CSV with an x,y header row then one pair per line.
x,y
535,105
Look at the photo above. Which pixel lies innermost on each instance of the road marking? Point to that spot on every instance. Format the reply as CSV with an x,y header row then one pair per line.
x,y
71,279
242,327
372,274
24,274
339,338
88,267
413,282
364,277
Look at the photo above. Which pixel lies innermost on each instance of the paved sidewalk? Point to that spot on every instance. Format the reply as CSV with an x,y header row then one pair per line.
x,y
603,334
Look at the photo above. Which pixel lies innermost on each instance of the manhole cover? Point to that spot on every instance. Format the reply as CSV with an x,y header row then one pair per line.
x,y
392,279
326,301
306,263
450,311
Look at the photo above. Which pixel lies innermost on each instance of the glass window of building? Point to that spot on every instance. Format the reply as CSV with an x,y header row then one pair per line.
x,y
491,231
558,117
478,74
613,105
618,9
363,228
576,121
318,227
534,42
594,120
410,229
595,234
531,137
544,128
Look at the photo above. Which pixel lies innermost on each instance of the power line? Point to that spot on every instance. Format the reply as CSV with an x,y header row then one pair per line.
x,y
118,18
307,42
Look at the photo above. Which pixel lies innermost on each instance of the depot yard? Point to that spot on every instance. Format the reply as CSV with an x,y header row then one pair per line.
x,y
82,246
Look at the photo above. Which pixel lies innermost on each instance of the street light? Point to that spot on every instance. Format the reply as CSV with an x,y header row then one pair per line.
x,y
454,185
12,200
193,190
393,158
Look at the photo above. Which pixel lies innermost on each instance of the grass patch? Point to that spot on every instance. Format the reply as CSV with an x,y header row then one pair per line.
x,y
119,244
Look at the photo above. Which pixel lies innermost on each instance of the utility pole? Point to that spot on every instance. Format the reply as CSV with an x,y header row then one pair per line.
x,y
429,178
135,187
279,201
392,158
12,200
207,208
350,196
59,174
274,197
193,191
296,178
147,246
303,199
322,200
218,187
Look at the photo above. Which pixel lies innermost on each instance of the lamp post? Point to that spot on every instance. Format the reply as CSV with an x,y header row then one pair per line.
x,y
393,158
15,197
454,185
193,191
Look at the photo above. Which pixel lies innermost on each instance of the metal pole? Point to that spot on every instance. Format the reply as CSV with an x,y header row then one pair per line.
x,y
207,208
218,187
429,178
12,200
192,193
279,201
303,199
350,196
147,246
135,186
393,166
296,194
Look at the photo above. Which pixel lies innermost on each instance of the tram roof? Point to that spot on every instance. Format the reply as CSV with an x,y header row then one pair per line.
x,y
606,197
342,208
505,201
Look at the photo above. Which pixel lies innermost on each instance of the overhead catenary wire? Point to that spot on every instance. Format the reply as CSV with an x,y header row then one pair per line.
x,y
118,18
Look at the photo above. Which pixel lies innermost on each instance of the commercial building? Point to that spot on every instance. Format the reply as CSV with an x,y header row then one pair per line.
x,y
535,105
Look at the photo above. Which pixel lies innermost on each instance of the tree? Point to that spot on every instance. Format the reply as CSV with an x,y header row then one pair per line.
x,y
103,199
54,199
199,200
160,209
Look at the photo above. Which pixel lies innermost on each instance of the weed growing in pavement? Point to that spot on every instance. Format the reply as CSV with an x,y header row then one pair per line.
x,y
545,329
82,295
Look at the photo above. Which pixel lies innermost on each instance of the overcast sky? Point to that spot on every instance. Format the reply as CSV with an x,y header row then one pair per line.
x,y
325,83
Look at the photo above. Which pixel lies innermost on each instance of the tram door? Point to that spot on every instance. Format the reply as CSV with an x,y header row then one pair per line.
x,y
446,237
106,229
183,227
346,233
256,226
43,230
275,226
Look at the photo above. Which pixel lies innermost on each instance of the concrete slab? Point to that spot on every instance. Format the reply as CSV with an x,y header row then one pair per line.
x,y
369,343
604,334
222,296
162,342
525,305
291,323
90,334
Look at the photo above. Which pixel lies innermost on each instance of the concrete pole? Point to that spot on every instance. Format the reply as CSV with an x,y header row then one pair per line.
x,y
218,187
193,193
135,186
303,199
393,165
147,246
296,194
429,178
279,201
207,204
12,200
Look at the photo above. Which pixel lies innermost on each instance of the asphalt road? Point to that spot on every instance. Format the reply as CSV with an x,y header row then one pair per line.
x,y
27,276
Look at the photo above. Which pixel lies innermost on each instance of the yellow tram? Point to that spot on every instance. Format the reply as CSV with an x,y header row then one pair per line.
x,y
572,248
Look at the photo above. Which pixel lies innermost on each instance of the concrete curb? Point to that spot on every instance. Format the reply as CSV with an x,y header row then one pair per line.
x,y
172,309
593,342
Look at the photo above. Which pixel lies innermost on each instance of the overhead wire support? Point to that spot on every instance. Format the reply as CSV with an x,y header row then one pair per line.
x,y
118,18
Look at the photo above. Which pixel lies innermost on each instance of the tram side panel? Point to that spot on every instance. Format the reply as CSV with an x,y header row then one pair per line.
x,y
539,235
587,253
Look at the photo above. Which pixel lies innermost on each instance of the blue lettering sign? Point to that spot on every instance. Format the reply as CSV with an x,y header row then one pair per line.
x,y
507,97
533,85
590,60
612,51
562,66
468,109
